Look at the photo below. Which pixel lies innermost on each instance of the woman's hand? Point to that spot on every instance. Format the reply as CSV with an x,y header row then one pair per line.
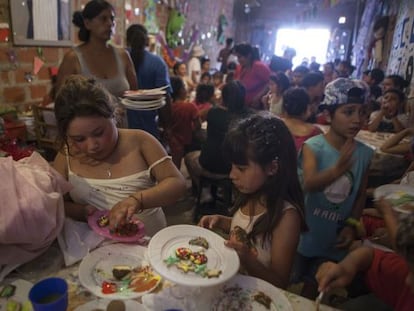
x,y
345,237
122,212
210,221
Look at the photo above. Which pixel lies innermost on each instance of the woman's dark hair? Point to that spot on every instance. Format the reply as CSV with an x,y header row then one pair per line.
x,y
399,93
244,49
262,139
398,81
312,79
281,80
80,97
204,60
296,101
137,40
176,67
233,95
92,9
204,92
177,85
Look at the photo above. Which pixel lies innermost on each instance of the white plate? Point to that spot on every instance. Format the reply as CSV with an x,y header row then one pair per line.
x,y
131,305
392,192
239,291
164,243
104,259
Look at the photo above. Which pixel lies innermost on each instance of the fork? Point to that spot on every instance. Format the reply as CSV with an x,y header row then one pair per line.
x,y
318,300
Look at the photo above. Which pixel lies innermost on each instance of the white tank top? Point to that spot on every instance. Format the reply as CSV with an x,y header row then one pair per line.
x,y
105,193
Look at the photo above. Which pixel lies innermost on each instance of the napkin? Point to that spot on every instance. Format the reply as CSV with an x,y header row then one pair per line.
x,y
76,240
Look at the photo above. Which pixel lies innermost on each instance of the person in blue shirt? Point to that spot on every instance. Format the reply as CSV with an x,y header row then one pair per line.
x,y
152,72
334,168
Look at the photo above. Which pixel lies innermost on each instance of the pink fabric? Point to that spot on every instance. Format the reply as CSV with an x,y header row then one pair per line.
x,y
299,140
31,207
254,79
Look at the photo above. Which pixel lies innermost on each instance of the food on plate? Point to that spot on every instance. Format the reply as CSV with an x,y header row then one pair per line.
x,y
183,252
408,207
241,235
128,229
116,305
120,272
263,299
123,279
199,241
103,221
400,197
187,260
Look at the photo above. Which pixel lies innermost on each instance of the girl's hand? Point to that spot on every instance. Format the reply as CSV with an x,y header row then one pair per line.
x,y
122,212
383,206
89,210
345,237
245,253
210,221
332,275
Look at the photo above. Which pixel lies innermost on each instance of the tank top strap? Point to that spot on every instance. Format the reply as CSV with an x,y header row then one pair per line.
x,y
118,58
158,162
84,67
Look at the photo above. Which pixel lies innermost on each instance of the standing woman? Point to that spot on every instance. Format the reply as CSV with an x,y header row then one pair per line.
x,y
112,67
252,73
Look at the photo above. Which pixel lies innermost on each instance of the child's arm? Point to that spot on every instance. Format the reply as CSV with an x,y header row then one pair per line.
x,y
283,250
398,127
315,180
375,121
393,144
331,275
216,221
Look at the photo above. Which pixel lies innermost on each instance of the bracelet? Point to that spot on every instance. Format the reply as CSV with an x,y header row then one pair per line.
x,y
140,201
356,224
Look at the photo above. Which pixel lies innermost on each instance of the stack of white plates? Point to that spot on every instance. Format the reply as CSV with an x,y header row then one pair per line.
x,y
148,99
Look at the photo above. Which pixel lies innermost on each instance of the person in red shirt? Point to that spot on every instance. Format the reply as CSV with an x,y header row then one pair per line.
x,y
390,276
185,120
252,73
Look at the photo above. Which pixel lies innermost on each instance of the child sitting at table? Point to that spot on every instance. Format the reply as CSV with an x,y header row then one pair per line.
x,y
391,117
269,203
185,120
390,276
334,168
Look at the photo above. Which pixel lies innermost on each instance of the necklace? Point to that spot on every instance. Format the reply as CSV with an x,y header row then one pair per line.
x,y
108,169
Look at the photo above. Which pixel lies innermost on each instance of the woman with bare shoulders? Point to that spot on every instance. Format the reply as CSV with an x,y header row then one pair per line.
x,y
112,67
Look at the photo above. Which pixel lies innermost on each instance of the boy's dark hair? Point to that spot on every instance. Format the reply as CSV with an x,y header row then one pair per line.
x,y
301,69
296,101
312,79
204,75
377,75
281,80
405,237
399,93
204,92
177,85
398,81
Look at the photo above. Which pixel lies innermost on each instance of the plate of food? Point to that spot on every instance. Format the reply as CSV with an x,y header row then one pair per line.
x,y
111,305
400,196
118,271
131,232
192,256
249,293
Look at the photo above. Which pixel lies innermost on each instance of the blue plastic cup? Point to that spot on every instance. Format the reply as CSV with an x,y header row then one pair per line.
x,y
50,294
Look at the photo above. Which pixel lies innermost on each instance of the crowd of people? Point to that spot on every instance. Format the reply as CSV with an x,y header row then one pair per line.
x,y
300,192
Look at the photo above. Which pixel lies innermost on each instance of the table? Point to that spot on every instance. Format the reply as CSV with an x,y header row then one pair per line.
x,y
78,295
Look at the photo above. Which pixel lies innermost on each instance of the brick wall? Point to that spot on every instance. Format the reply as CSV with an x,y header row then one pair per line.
x,y
17,91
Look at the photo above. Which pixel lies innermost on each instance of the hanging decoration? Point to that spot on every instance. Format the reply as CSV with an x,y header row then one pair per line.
x,y
37,65
176,21
222,24
151,22
12,56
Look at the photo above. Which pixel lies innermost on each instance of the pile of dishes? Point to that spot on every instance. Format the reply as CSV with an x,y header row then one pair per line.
x,y
145,99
